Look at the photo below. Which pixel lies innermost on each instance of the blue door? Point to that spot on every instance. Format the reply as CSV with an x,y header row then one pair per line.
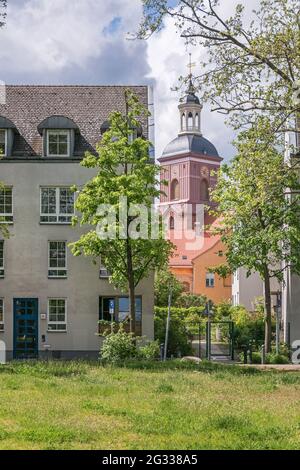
x,y
25,328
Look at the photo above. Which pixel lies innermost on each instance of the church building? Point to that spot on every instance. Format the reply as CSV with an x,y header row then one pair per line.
x,y
189,170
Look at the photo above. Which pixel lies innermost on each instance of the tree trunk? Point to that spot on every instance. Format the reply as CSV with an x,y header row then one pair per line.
x,y
131,288
268,311
132,307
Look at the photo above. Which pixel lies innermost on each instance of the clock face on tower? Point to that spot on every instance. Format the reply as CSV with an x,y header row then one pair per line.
x,y
205,172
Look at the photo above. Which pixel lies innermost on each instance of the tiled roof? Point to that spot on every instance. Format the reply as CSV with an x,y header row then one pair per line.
x,y
185,254
88,106
188,250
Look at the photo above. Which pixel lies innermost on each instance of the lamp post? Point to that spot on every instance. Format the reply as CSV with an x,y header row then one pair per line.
x,y
278,319
168,324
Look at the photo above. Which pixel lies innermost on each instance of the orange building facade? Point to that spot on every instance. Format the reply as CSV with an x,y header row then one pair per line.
x,y
189,166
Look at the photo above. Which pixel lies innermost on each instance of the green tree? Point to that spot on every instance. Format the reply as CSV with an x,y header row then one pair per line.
x,y
252,64
260,221
164,281
122,233
3,5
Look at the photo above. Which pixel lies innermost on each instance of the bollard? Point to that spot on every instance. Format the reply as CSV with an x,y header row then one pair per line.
x,y
162,350
250,354
245,356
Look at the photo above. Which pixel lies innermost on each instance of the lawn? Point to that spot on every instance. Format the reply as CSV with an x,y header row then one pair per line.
x,y
178,406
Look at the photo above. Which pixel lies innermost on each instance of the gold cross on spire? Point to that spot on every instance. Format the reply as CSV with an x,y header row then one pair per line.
x,y
191,65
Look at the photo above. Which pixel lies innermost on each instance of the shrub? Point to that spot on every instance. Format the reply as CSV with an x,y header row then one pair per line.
x,y
189,315
273,358
222,310
118,347
256,358
179,336
150,351
191,300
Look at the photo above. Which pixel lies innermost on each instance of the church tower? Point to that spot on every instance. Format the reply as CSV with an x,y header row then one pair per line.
x,y
189,165
190,162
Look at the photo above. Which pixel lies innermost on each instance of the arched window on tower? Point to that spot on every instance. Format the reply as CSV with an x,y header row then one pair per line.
x,y
174,190
197,121
183,122
186,287
204,191
190,122
172,223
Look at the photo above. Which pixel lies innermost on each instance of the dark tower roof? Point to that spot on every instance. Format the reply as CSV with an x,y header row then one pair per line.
x,y
190,96
189,143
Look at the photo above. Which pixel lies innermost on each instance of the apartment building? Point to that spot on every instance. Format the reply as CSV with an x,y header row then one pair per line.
x,y
50,301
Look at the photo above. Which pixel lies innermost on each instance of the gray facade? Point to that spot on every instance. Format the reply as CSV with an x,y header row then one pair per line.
x,y
291,288
26,170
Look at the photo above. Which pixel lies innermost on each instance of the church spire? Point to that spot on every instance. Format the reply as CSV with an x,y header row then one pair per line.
x,y
190,108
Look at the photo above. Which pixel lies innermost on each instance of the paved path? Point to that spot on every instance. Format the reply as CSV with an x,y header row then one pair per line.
x,y
278,367
262,367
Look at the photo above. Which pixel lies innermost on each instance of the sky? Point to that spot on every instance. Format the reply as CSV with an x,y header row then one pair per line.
x,y
87,42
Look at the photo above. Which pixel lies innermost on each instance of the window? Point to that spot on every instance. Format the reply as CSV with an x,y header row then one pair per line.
x,y
186,287
190,122
204,191
57,260
1,315
57,315
183,122
124,309
132,136
174,190
58,143
3,142
121,308
57,205
210,280
172,223
1,258
104,273
6,205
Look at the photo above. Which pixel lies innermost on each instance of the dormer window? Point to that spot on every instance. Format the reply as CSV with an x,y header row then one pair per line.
x,y
7,135
3,143
58,134
58,143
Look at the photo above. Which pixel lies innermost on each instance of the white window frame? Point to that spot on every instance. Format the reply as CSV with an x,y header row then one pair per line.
x,y
5,143
211,278
2,268
57,322
103,272
11,215
2,322
57,213
60,132
65,268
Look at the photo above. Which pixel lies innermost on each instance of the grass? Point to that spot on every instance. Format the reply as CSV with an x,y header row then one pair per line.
x,y
58,405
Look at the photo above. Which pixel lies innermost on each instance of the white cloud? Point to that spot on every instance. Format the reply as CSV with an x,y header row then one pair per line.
x,y
168,58
63,41
49,36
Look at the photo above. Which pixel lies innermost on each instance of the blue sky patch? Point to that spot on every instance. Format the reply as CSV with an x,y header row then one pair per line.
x,y
113,26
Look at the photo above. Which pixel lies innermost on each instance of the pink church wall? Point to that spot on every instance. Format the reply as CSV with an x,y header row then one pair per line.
x,y
189,174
